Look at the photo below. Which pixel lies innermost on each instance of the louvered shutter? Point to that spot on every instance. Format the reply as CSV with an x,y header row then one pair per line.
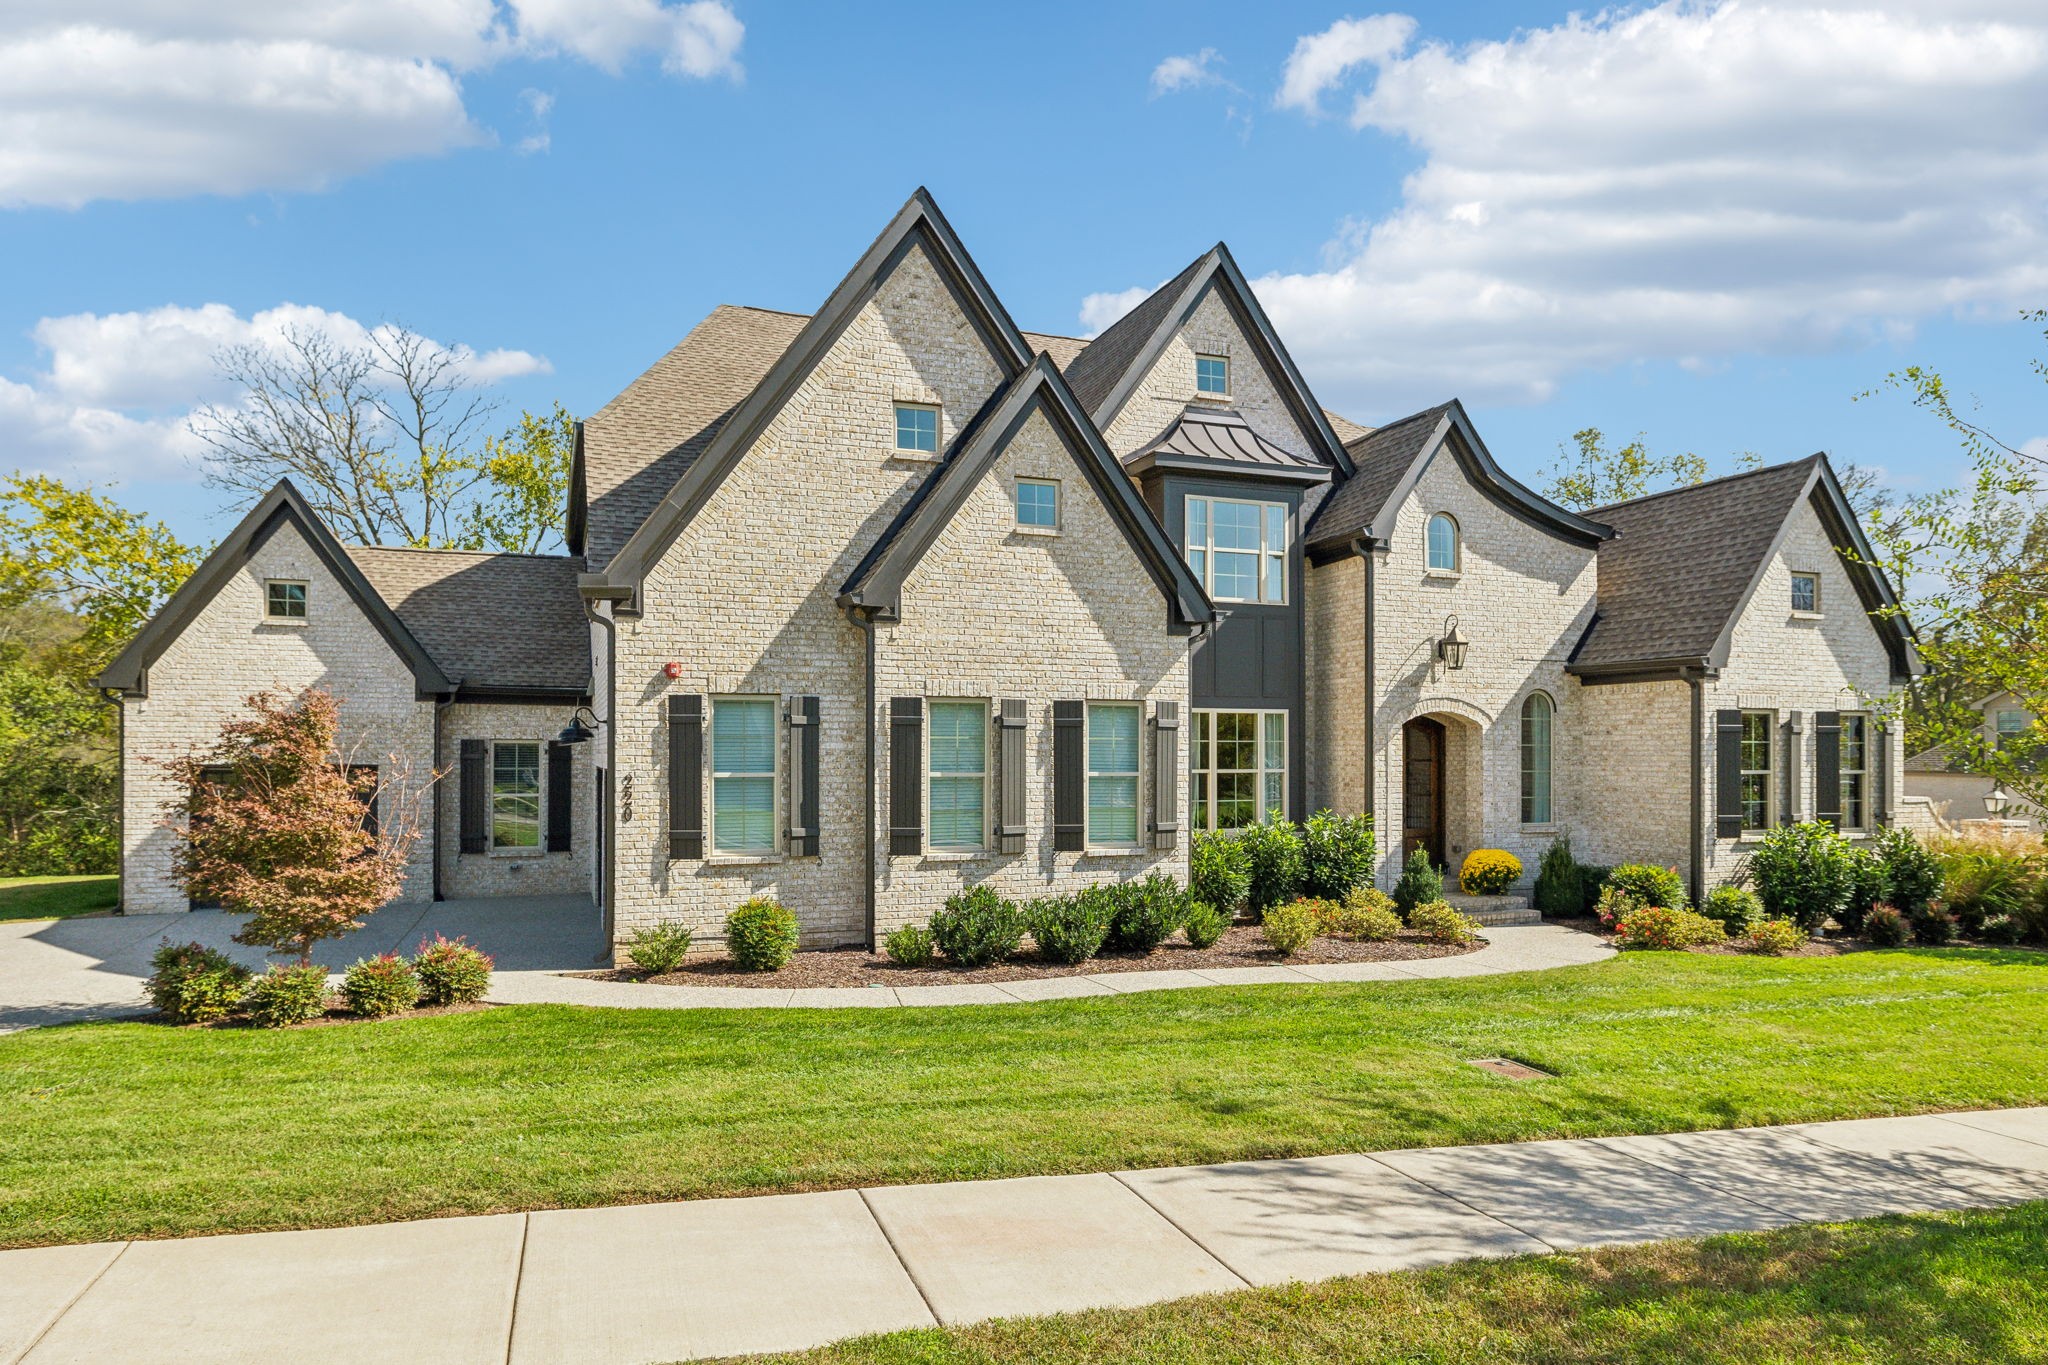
x,y
803,776
1011,770
559,796
1728,774
476,787
1827,767
1166,775
906,776
686,777
1069,776
1881,774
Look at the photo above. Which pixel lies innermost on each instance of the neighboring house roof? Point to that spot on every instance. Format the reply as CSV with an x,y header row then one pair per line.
x,y
1347,430
493,622
129,672
1219,439
1684,564
877,581
1063,350
1388,463
1935,760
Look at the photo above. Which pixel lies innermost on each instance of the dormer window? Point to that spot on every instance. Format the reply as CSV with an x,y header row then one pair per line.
x,y
284,601
1212,374
917,428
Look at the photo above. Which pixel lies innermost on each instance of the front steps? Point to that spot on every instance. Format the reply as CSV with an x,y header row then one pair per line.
x,y
1495,911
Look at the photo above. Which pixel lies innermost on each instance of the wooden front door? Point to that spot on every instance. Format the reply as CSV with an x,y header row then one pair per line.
x,y
1422,788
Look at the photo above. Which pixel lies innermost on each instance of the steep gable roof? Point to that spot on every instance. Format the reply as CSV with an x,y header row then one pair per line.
x,y
129,672
1684,564
493,622
877,581
918,224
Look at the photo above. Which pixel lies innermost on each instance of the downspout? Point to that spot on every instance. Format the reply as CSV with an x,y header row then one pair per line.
x,y
609,872
109,696
1697,684
1364,548
441,705
856,614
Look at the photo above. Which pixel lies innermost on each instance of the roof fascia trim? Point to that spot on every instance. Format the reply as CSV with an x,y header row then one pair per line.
x,y
1486,474
1242,469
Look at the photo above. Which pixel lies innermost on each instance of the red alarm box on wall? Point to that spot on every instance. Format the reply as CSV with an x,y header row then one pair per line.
x,y
672,670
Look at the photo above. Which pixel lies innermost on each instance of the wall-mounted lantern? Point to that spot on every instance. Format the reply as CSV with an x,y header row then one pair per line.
x,y
1450,651
578,729
1997,799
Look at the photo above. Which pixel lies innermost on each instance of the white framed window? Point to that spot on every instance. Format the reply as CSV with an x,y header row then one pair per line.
x,y
1113,731
1443,543
1038,504
1238,768
1854,749
515,796
1212,374
917,428
1238,549
1806,593
2008,726
744,763
1759,791
1538,715
956,776
284,600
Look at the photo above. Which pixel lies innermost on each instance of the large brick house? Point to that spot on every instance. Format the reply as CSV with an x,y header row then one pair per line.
x,y
891,599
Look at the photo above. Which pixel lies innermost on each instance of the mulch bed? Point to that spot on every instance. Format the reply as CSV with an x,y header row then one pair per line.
x,y
1241,946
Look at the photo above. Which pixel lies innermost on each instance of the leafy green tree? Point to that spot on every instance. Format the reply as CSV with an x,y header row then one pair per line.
x,y
78,549
1594,475
526,478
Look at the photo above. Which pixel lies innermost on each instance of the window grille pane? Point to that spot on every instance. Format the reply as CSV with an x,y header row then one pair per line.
x,y
743,737
956,819
1113,739
1038,504
1112,810
1212,374
1756,802
1237,576
1198,521
917,429
515,796
1237,525
1536,717
1805,592
743,814
1276,578
1443,542
959,737
1276,739
1756,741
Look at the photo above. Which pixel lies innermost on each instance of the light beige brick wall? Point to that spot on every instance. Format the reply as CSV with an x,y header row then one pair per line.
x,y
1523,597
993,612
1333,616
537,873
1169,386
230,651
1633,799
744,603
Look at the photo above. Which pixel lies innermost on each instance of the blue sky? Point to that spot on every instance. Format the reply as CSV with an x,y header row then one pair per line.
x,y
1709,224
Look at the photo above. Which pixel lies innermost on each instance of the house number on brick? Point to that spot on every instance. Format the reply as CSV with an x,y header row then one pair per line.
x,y
626,799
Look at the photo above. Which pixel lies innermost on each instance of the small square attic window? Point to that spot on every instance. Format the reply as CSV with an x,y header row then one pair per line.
x,y
284,600
1212,374
917,428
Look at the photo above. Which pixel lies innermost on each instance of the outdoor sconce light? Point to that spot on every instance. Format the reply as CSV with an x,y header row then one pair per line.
x,y
577,730
1997,799
1450,650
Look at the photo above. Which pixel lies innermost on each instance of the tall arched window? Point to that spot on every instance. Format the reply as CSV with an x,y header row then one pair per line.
x,y
1537,713
1443,542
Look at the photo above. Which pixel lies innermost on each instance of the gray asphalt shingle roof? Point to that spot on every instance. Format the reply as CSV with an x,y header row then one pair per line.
x,y
1096,370
1378,459
489,620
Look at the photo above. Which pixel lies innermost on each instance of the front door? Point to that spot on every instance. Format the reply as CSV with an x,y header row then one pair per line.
x,y
1422,788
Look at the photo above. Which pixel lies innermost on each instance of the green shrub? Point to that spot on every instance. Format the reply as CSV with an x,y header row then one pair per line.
x,y
1204,924
193,984
1146,913
380,985
1614,904
1366,913
1775,937
1273,863
1869,884
2001,929
1420,883
909,946
1489,872
1440,922
1557,894
1933,926
1071,928
1662,927
1886,927
1735,908
1218,871
1803,873
976,927
761,935
1337,853
1592,880
452,972
286,995
1990,873
659,948
1290,928
1912,872
1648,884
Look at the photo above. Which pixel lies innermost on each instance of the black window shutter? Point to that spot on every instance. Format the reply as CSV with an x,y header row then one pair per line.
x,y
1069,776
1880,742
803,776
1827,767
559,792
686,777
476,786
906,776
1011,768
1728,775
1166,775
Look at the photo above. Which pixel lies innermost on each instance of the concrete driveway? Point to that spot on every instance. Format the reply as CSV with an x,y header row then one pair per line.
x,y
67,970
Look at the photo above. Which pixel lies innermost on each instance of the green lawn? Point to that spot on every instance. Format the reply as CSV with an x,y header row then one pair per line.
x,y
1938,1289
55,897
117,1130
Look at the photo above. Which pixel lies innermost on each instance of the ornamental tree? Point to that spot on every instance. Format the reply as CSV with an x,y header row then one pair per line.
x,y
277,827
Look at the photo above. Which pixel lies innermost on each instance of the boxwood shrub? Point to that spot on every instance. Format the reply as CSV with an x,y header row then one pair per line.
x,y
1218,871
1203,924
378,986
659,948
976,927
1337,853
286,995
761,935
194,984
1420,883
1070,929
452,972
909,945
1146,913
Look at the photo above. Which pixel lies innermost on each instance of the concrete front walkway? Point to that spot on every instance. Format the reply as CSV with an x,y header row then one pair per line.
x,y
1508,949
664,1282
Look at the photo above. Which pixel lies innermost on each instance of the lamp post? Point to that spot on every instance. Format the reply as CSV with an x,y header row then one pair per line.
x,y
1450,650
1997,799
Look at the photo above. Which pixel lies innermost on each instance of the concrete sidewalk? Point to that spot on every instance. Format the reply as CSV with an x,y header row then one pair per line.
x,y
664,1282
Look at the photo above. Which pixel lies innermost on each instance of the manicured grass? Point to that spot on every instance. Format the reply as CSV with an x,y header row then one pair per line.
x,y
1938,1289
117,1130
55,897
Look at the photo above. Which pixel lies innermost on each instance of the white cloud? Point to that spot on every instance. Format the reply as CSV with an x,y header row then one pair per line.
x,y
538,105
137,99
1322,60
1679,183
119,389
1186,72
1100,310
